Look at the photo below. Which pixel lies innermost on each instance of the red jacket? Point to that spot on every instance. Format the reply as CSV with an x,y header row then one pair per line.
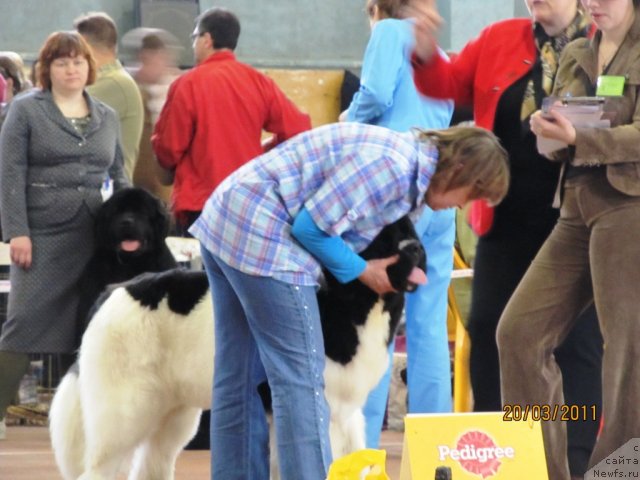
x,y
503,53
212,122
483,70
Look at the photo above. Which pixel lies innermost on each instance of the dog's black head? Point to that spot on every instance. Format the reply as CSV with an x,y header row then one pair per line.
x,y
130,231
346,307
400,238
131,223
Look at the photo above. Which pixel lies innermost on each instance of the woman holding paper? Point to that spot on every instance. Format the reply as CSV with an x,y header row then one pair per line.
x,y
593,253
504,74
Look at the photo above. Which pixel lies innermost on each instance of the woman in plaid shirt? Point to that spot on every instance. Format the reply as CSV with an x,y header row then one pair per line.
x,y
266,233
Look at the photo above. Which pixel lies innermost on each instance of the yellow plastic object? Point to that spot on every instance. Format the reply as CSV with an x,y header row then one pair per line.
x,y
462,397
366,464
458,262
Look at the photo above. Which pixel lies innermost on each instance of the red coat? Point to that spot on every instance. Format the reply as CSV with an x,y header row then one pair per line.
x,y
212,122
503,53
488,65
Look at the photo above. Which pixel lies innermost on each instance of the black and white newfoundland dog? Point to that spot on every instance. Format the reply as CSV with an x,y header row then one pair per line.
x,y
145,369
130,232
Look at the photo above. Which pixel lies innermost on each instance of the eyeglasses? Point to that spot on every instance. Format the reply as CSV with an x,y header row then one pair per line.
x,y
195,35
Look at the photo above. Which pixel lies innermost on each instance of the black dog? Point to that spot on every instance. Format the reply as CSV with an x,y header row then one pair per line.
x,y
345,307
358,325
130,232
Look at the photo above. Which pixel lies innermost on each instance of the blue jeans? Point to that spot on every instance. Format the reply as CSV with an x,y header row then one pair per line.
x,y
428,361
266,327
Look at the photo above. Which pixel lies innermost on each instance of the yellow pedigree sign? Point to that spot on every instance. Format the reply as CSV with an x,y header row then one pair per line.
x,y
474,446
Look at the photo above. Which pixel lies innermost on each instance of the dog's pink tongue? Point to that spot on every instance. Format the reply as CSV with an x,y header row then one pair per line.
x,y
130,245
417,276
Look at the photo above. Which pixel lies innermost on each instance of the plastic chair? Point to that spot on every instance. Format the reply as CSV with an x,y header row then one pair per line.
x,y
462,395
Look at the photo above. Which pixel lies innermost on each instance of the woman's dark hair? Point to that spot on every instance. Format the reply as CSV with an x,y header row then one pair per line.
x,y
9,70
63,44
153,42
387,8
222,25
34,74
98,29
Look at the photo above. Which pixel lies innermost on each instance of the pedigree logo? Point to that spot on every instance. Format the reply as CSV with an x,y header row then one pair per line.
x,y
477,453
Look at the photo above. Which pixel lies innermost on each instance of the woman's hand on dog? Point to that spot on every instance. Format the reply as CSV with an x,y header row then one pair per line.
x,y
375,275
20,251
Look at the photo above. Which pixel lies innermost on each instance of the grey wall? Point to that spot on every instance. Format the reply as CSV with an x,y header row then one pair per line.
x,y
283,33
300,33
521,9
25,24
468,17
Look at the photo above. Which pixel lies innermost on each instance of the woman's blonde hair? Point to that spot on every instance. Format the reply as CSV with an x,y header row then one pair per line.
x,y
469,156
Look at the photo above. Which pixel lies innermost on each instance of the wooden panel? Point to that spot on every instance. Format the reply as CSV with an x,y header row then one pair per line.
x,y
316,92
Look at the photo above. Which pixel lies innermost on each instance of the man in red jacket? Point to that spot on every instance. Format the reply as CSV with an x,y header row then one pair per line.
x,y
214,116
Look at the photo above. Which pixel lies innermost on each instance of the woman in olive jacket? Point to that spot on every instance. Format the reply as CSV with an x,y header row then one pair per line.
x,y
504,74
593,253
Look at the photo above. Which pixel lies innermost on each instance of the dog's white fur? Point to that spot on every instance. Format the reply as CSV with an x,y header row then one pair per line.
x,y
348,386
145,376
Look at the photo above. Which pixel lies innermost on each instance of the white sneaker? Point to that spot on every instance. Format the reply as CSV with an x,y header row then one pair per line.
x,y
3,429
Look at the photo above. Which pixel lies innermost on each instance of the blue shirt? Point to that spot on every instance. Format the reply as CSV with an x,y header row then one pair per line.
x,y
332,252
353,179
387,95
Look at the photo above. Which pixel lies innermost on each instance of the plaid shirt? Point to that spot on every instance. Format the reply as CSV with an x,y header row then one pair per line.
x,y
352,178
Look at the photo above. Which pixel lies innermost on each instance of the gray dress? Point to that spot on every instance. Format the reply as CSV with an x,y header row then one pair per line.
x,y
50,179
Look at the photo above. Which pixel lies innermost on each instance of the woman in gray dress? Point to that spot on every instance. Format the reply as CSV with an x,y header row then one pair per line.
x,y
59,151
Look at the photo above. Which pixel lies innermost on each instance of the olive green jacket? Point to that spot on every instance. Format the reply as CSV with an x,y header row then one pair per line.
x,y
618,147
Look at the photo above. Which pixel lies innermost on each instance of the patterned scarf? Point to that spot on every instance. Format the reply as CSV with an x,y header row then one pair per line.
x,y
549,49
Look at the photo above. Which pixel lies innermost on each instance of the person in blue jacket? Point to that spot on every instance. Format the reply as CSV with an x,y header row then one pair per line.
x,y
388,97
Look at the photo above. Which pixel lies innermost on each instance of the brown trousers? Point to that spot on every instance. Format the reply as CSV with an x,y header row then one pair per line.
x,y
593,254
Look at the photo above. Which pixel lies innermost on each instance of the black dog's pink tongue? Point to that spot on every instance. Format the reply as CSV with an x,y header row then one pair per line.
x,y
130,245
417,276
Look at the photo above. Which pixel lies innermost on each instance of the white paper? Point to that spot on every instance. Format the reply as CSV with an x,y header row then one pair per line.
x,y
580,116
